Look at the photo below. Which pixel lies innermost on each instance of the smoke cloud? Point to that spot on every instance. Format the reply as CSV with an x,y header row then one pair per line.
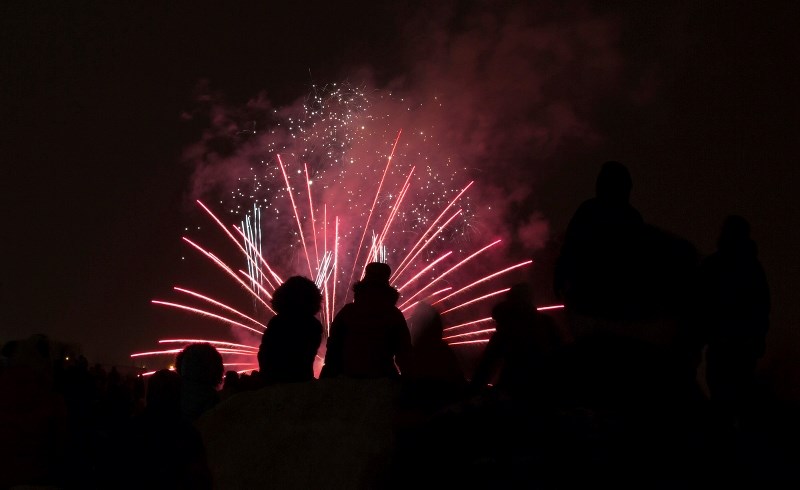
x,y
494,90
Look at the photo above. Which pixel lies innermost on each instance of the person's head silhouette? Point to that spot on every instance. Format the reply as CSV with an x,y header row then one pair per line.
x,y
520,294
200,363
297,296
378,273
614,183
734,238
426,322
735,231
164,392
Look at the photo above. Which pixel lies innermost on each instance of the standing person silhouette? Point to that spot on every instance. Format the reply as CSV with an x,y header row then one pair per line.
x,y
369,337
736,300
596,272
290,342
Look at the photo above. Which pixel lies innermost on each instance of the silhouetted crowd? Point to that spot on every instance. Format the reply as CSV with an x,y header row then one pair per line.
x,y
646,379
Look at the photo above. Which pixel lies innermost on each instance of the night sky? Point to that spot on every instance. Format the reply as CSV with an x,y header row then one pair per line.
x,y
697,98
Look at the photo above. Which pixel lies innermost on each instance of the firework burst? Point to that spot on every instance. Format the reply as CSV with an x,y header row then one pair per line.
x,y
335,188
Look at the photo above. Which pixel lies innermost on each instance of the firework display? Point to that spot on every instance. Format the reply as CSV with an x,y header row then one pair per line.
x,y
330,190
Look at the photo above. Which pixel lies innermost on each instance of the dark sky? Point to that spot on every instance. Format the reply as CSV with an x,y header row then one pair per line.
x,y
702,107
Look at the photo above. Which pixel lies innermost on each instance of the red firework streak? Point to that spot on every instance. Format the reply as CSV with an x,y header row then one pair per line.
x,y
419,267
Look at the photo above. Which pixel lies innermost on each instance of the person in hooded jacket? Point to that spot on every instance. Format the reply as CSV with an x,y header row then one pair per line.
x,y
369,338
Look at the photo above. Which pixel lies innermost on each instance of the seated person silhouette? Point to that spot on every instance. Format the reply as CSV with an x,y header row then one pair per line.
x,y
519,347
432,358
290,342
176,456
434,376
200,367
369,337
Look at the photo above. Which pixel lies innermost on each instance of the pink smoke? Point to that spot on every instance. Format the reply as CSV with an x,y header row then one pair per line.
x,y
503,88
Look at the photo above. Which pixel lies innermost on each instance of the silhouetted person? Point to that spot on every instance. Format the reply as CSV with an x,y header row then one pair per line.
x,y
7,352
736,300
200,367
623,416
33,419
369,335
432,384
290,342
230,385
432,358
117,399
520,345
433,378
172,447
485,442
597,272
164,394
